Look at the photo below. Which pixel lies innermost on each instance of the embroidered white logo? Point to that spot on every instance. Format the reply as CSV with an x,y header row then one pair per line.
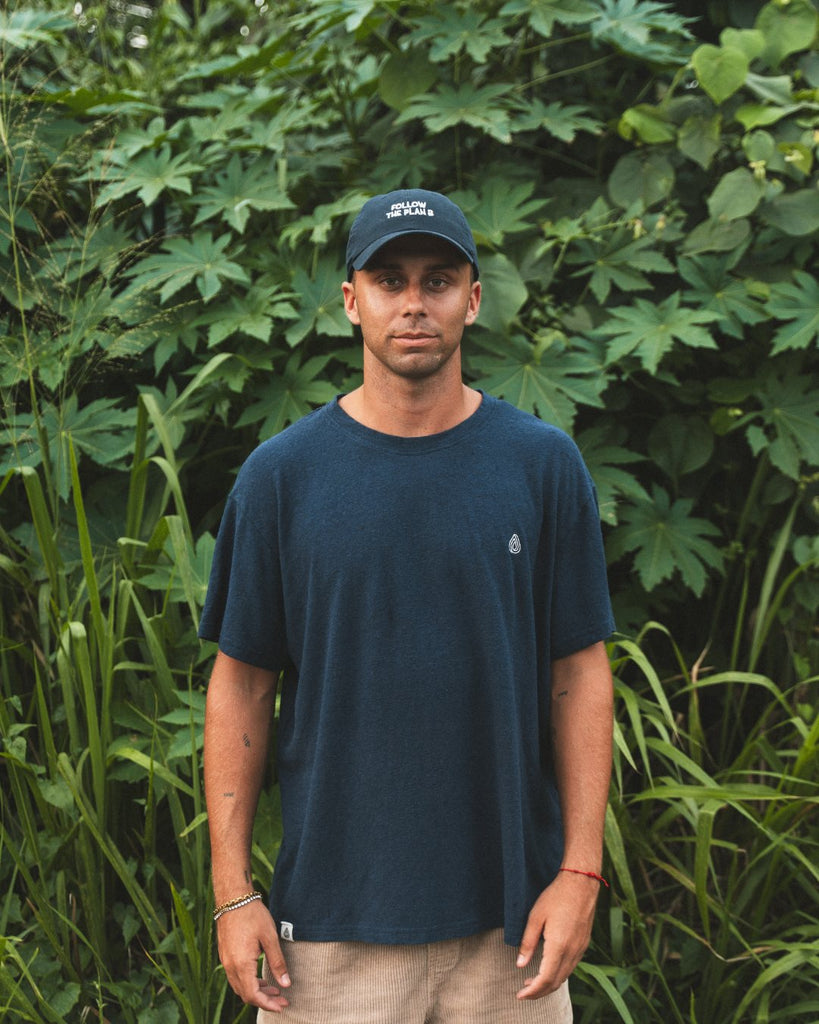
x,y
286,930
415,208
514,544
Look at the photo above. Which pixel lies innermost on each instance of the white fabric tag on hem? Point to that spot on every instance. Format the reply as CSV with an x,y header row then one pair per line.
x,y
286,930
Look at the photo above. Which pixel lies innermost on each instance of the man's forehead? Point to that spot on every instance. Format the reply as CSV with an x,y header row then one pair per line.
x,y
415,246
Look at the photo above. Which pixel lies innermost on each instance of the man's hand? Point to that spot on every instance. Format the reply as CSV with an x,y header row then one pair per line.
x,y
243,936
562,917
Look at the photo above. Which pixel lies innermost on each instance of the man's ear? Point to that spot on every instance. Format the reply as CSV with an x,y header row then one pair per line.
x,y
474,304
350,306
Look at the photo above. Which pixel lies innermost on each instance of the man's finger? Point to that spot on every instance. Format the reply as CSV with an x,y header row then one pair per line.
x,y
274,967
548,979
532,935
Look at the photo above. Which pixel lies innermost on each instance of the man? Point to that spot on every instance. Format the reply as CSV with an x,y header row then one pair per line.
x,y
422,565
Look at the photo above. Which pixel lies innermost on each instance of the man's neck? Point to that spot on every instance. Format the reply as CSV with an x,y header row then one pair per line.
x,y
411,409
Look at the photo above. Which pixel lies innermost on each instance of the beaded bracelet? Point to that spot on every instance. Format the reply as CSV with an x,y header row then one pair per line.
x,y
588,874
240,901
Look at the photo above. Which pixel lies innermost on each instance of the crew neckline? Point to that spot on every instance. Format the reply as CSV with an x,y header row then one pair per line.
x,y
419,443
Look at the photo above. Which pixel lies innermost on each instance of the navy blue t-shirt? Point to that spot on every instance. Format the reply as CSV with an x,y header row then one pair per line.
x,y
415,591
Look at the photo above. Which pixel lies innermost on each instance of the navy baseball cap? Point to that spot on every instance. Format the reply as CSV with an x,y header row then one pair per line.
x,y
410,211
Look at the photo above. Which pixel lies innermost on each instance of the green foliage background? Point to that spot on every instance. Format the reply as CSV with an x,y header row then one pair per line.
x,y
178,184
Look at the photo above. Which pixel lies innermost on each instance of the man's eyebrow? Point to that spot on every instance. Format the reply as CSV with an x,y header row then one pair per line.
x,y
390,265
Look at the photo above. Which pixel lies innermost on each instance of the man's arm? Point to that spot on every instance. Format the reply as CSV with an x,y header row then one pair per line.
x,y
239,710
582,718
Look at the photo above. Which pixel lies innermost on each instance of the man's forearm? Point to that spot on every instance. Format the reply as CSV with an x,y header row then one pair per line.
x,y
582,715
239,709
582,736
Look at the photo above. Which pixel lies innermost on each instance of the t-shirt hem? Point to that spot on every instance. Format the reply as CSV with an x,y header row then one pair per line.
x,y
583,640
393,936
256,658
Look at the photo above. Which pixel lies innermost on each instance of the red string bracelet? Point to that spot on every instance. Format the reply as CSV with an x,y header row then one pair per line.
x,y
588,874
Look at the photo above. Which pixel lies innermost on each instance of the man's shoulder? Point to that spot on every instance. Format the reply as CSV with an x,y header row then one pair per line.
x,y
300,443
526,426
297,437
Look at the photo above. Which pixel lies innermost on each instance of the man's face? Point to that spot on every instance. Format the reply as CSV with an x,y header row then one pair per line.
x,y
412,302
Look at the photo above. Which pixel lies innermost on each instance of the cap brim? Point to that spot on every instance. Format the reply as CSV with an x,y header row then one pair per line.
x,y
364,257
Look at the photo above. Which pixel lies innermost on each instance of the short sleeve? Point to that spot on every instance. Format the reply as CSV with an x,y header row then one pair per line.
x,y
243,610
581,607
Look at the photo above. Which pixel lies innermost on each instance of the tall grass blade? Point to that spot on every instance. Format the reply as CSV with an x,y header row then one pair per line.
x,y
45,531
762,620
600,977
788,965
138,476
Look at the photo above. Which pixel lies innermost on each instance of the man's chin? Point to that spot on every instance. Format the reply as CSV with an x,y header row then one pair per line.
x,y
420,365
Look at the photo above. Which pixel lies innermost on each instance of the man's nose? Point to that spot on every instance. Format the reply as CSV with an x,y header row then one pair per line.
x,y
413,296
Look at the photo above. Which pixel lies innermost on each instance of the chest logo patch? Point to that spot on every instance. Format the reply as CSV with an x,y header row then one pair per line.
x,y
514,544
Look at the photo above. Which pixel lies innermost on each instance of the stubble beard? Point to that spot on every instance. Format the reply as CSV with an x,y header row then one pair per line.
x,y
420,365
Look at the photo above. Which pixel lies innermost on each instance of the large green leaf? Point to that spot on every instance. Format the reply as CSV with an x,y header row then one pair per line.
x,y
545,378
100,430
758,115
730,295
788,27
789,430
450,29
149,175
253,314
287,396
502,208
604,452
24,28
230,117
562,120
542,15
504,293
717,236
700,138
680,445
201,259
642,28
328,13
648,124
794,213
318,224
320,305
448,107
749,41
237,190
133,139
182,574
721,70
641,178
405,75
797,302
101,101
665,538
618,260
648,330
774,89
100,250
737,194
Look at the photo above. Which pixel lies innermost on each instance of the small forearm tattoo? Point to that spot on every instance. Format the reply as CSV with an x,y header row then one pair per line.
x,y
228,796
563,693
246,740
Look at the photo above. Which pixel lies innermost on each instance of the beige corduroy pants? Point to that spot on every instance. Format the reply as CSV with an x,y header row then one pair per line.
x,y
458,981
